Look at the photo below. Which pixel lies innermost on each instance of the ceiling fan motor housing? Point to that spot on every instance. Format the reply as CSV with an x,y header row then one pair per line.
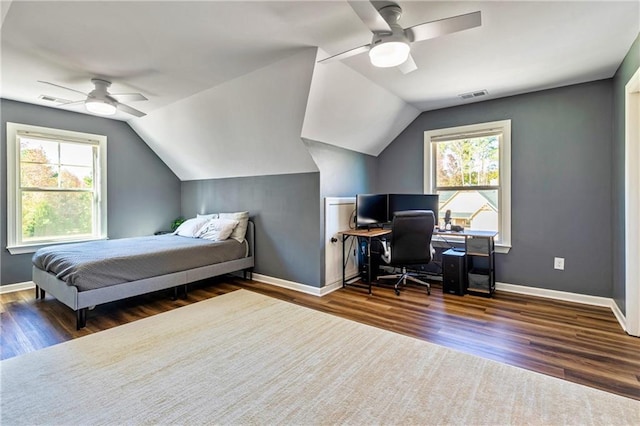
x,y
99,101
396,36
101,86
389,49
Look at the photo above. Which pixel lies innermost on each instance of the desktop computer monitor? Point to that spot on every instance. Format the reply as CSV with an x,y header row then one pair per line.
x,y
400,202
371,210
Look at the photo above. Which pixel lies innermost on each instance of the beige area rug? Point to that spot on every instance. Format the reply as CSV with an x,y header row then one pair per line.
x,y
244,358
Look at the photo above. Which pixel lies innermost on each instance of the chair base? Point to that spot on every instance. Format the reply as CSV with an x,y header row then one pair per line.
x,y
402,280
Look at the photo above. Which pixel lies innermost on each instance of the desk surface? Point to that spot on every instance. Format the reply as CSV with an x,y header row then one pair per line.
x,y
377,232
467,233
369,233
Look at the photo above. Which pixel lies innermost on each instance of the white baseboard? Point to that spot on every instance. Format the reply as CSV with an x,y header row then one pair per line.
x,y
555,294
291,285
10,288
620,316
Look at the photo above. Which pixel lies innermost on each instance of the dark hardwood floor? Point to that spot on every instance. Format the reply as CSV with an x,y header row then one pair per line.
x,y
579,343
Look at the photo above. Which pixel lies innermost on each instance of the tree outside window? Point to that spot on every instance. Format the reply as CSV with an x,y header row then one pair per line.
x,y
467,180
56,181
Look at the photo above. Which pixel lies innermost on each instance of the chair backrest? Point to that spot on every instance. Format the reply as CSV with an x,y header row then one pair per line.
x,y
411,233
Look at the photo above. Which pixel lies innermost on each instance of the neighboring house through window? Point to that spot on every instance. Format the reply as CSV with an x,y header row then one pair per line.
x,y
56,187
469,167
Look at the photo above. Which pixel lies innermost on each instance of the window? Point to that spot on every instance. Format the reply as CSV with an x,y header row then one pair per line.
x,y
56,187
469,168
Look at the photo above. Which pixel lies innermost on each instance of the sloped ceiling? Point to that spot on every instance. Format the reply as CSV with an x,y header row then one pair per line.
x,y
344,109
248,126
237,80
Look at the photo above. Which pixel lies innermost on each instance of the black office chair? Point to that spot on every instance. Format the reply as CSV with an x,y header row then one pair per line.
x,y
411,233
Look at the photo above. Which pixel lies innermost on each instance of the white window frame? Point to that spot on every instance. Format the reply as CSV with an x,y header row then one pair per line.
x,y
14,214
503,243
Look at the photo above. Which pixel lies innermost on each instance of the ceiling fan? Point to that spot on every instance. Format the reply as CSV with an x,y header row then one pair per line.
x,y
100,101
391,44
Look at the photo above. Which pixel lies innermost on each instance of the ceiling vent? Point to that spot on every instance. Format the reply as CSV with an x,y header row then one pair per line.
x,y
472,95
53,99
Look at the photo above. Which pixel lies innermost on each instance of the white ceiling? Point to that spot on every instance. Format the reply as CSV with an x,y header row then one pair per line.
x,y
174,52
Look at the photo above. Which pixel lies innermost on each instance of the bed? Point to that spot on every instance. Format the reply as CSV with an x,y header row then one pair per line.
x,y
83,275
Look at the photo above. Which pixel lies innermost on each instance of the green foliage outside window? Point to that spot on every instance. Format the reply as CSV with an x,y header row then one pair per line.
x,y
468,162
57,199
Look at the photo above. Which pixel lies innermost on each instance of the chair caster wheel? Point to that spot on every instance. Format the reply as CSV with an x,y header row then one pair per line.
x,y
397,292
428,292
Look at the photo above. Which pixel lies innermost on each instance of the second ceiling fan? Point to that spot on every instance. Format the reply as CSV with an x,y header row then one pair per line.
x,y
100,101
391,44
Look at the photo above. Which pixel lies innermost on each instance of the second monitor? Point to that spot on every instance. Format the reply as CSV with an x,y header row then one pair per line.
x,y
400,202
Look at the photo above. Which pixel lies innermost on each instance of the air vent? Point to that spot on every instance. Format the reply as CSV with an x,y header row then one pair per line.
x,y
53,99
472,95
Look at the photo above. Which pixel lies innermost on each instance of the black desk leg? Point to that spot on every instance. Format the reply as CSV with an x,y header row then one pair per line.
x,y
369,261
344,240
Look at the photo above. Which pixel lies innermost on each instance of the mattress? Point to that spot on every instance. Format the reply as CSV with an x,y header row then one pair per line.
x,y
98,264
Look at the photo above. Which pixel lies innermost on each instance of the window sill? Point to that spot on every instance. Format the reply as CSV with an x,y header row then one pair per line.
x,y
503,248
32,248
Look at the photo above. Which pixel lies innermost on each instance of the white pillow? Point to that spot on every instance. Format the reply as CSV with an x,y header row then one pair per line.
x,y
207,216
243,222
190,227
217,229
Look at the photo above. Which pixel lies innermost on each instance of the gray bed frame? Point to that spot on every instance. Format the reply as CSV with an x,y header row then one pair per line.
x,y
80,301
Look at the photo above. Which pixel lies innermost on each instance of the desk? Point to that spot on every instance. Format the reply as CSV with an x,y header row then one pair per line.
x,y
479,256
369,234
479,262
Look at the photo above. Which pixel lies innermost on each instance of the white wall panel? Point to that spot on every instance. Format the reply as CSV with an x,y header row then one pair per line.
x,y
338,212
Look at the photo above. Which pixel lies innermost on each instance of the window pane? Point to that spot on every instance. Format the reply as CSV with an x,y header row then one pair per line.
x,y
74,154
468,162
56,214
38,175
471,209
38,151
76,177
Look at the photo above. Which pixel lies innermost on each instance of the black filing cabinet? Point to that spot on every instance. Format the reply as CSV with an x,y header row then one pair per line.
x,y
454,272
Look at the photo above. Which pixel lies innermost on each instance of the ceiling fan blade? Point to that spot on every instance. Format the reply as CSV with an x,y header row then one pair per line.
x,y
62,87
345,55
441,27
71,103
368,13
129,110
407,66
128,97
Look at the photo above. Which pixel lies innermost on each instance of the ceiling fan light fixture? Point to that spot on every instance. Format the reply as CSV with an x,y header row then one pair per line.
x,y
100,107
389,54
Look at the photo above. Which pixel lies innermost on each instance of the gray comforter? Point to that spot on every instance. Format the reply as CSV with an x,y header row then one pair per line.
x,y
98,264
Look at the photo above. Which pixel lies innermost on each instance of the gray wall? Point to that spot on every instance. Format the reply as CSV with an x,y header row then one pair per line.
x,y
143,194
561,182
625,71
343,173
286,212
